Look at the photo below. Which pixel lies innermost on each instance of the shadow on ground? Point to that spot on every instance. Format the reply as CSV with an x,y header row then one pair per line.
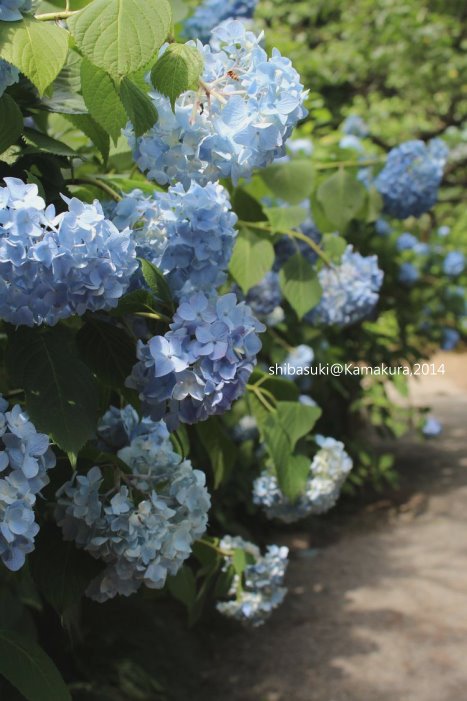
x,y
381,614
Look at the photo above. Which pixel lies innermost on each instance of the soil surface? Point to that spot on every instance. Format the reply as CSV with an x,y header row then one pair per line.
x,y
380,614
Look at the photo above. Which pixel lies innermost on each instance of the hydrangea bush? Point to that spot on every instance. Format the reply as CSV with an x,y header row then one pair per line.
x,y
176,274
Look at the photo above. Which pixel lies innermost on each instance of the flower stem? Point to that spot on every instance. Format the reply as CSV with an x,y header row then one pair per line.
x,y
53,16
349,164
262,226
96,182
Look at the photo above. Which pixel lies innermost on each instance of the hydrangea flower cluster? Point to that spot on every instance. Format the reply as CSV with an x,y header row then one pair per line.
x,y
449,338
212,12
350,290
353,125
52,267
288,246
411,177
328,472
264,297
454,263
259,590
202,364
13,10
408,274
189,235
8,74
143,530
25,458
297,360
432,427
238,121
246,429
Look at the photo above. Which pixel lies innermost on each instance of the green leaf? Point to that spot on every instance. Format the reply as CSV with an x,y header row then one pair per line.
x,y
334,246
292,475
61,571
135,302
342,196
47,144
102,99
107,350
26,666
297,419
93,130
247,207
291,181
182,586
37,49
139,107
252,258
121,36
156,282
285,217
220,448
11,120
179,10
300,284
65,97
177,70
60,391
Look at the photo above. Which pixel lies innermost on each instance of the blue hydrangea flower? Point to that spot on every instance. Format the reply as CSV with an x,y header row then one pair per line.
x,y
287,246
25,458
264,297
406,241
189,235
350,290
353,125
300,147
328,471
202,364
8,74
13,10
408,274
353,142
449,338
246,429
382,227
454,263
410,179
259,590
444,231
297,360
238,121
145,529
431,427
212,12
54,266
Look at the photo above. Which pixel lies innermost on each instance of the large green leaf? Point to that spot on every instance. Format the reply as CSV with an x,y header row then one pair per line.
x,y
252,258
282,218
177,70
11,120
30,670
342,196
156,282
65,97
47,144
218,445
60,391
107,350
297,419
102,99
292,475
291,181
300,284
121,36
61,571
37,49
93,130
139,107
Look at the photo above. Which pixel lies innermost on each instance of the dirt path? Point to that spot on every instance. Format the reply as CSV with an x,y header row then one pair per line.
x,y
381,615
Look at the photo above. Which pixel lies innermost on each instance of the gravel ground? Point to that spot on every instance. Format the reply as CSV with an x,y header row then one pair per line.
x,y
381,614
